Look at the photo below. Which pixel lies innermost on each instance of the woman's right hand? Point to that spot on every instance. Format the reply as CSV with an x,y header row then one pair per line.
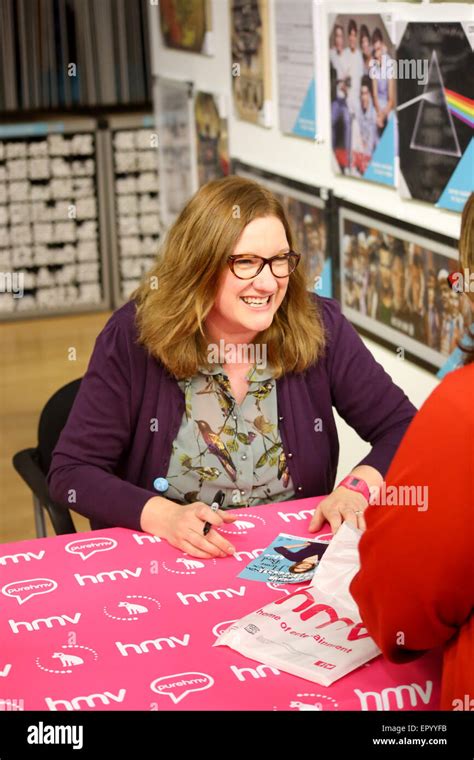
x,y
182,526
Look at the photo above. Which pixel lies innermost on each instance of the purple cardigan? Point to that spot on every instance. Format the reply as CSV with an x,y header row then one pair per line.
x,y
109,453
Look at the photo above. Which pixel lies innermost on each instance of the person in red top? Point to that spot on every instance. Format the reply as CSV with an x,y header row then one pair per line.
x,y
415,587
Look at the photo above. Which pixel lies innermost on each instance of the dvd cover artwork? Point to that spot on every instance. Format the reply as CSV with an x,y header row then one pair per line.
x,y
436,112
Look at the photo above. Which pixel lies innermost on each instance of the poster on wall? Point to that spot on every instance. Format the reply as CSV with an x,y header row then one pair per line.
x,y
186,25
363,95
212,146
296,71
176,147
394,285
436,112
309,213
250,49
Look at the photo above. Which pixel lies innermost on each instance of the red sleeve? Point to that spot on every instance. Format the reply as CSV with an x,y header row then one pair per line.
x,y
415,587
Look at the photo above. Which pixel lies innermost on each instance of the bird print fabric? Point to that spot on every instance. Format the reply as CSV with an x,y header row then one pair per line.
x,y
221,445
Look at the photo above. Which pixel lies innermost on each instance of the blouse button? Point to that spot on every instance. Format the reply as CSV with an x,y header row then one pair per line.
x,y
161,484
300,488
243,493
290,455
234,416
244,456
281,418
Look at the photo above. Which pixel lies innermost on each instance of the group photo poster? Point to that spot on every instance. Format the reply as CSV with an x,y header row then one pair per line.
x,y
362,96
395,286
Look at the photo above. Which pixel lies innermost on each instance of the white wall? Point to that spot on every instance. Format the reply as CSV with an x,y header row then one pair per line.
x,y
309,161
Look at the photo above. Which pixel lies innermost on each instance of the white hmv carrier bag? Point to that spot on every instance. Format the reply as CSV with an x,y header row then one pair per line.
x,y
314,632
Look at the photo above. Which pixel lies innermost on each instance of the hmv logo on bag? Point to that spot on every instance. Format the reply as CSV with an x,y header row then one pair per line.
x,y
308,608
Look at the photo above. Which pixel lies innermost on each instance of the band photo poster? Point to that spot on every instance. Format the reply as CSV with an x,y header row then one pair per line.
x,y
212,144
394,285
309,212
436,112
251,65
362,96
186,25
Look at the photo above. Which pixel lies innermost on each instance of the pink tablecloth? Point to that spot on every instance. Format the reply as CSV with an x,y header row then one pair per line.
x,y
117,620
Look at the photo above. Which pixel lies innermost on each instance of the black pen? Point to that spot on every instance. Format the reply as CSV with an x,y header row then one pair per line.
x,y
217,503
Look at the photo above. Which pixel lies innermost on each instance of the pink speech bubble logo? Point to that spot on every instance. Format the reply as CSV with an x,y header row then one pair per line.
x,y
179,685
86,548
24,590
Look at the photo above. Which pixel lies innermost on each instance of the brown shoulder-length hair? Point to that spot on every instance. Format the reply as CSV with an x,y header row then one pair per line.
x,y
177,294
466,259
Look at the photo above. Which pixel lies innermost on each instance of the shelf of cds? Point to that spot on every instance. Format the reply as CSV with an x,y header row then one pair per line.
x,y
52,233
73,54
80,221
135,225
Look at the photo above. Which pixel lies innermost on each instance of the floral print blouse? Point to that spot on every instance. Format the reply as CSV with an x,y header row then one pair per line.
x,y
223,446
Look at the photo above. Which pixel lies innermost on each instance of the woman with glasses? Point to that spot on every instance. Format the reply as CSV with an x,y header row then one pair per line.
x,y
221,373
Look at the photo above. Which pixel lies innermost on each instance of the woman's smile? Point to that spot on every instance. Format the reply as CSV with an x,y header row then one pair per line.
x,y
260,303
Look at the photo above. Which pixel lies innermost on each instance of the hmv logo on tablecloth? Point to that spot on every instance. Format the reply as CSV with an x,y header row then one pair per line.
x,y
109,575
245,556
304,515
205,596
152,645
41,623
24,590
403,697
287,517
142,539
25,557
88,547
179,685
95,701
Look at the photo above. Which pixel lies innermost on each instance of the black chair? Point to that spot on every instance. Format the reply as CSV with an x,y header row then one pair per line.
x,y
33,464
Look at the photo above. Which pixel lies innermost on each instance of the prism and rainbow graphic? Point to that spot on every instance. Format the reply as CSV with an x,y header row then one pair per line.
x,y
461,107
445,108
448,104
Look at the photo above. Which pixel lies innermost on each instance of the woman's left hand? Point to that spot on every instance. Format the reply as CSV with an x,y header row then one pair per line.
x,y
341,505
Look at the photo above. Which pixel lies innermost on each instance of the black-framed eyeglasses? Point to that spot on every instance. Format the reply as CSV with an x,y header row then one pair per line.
x,y
245,266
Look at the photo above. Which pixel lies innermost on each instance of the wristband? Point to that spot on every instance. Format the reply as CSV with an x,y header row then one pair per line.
x,y
356,484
